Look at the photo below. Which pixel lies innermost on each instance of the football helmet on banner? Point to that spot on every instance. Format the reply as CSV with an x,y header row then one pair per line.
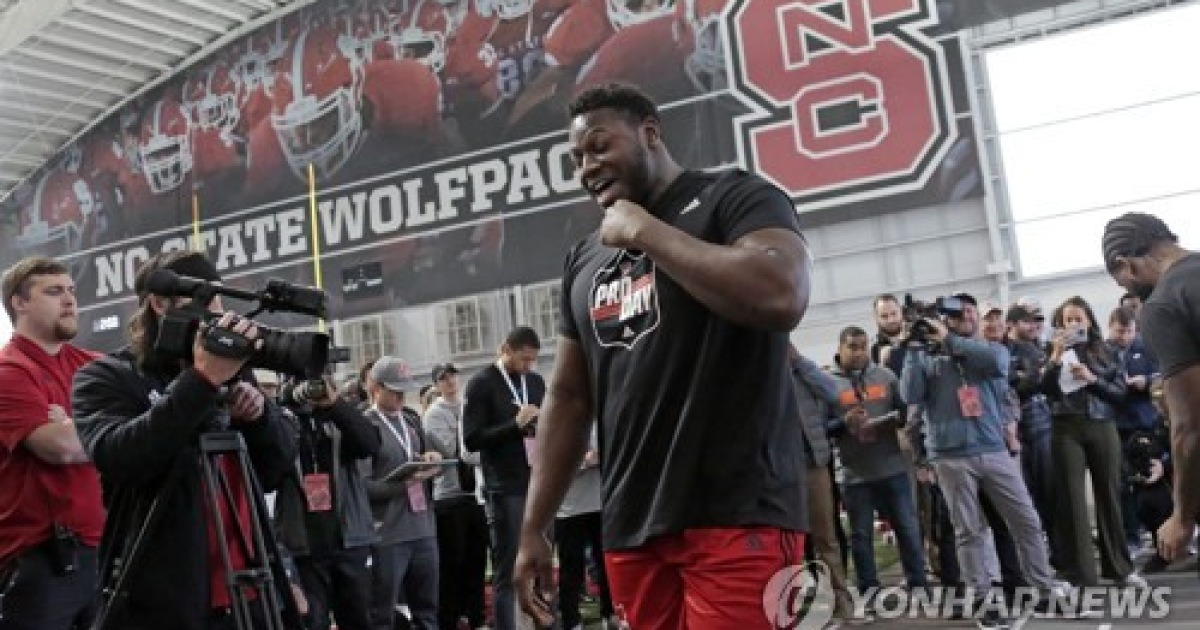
x,y
212,100
622,13
421,34
700,20
53,223
317,114
504,9
165,147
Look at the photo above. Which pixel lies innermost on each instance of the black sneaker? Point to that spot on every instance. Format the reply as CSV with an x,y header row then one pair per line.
x,y
1156,564
991,620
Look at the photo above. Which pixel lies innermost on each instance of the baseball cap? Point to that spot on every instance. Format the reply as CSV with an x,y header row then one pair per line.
x,y
991,307
442,369
1033,305
1018,313
393,373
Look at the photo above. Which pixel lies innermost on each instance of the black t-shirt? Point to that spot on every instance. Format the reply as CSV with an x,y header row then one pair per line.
x,y
699,425
1170,319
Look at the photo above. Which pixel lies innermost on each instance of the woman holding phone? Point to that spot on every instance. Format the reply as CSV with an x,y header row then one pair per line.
x,y
1085,386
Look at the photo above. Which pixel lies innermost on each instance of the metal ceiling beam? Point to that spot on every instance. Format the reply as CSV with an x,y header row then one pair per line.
x,y
64,97
206,49
185,20
262,5
103,70
162,47
23,138
33,162
29,128
67,42
40,117
210,7
65,80
140,24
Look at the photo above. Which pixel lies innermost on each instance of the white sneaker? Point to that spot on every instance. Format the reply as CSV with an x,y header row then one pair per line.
x,y
1133,580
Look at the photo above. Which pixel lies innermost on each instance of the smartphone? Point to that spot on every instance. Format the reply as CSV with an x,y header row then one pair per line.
x,y
1076,336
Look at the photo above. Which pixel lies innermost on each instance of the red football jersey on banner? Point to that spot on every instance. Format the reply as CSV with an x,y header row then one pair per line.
x,y
406,98
577,34
497,56
649,55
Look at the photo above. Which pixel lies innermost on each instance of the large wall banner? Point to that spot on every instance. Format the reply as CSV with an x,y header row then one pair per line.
x,y
433,131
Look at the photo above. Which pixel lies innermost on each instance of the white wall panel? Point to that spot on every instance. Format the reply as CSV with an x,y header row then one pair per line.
x,y
928,251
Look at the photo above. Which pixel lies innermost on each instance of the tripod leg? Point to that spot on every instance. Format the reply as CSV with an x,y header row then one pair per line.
x,y
252,589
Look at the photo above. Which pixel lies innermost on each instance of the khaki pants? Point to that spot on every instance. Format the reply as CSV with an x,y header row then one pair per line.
x,y
822,532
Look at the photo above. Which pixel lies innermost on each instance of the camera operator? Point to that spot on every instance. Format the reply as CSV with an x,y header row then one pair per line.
x,y
52,517
140,414
322,513
964,392
1148,469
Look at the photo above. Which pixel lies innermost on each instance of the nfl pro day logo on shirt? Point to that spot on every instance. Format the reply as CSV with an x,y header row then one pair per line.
x,y
624,300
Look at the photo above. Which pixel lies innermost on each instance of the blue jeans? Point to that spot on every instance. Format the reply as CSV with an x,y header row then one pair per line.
x,y
892,497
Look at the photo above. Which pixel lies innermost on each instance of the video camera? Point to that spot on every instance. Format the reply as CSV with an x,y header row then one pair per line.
x,y
1141,449
917,315
298,394
300,354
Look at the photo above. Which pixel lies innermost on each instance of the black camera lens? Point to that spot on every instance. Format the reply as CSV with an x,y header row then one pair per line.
x,y
300,353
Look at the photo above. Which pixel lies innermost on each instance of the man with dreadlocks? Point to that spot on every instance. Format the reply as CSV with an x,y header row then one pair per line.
x,y
1144,256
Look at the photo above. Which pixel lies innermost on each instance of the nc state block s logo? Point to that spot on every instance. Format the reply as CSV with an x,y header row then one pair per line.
x,y
852,99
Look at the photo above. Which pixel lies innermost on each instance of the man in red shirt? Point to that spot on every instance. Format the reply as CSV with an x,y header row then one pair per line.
x,y
51,516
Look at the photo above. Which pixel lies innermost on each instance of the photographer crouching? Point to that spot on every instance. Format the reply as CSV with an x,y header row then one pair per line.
x,y
141,414
962,384
322,513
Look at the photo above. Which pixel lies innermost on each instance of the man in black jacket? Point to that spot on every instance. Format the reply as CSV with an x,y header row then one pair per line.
x,y
1033,427
321,510
140,415
503,402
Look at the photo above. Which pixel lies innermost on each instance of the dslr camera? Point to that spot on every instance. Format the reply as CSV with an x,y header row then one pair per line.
x,y
300,354
302,393
917,315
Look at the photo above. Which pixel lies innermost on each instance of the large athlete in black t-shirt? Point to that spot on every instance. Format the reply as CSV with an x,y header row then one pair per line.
x,y
674,334
1144,257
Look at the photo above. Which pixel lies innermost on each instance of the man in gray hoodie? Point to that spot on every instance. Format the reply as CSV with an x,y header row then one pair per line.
x,y
875,467
462,531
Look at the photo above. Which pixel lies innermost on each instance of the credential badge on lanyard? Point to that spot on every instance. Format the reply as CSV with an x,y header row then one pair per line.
x,y
523,397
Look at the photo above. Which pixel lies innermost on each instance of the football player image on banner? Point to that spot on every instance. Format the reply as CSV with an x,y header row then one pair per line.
x,y
433,131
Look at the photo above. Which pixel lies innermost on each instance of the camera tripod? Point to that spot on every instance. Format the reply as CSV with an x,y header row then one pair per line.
x,y
254,596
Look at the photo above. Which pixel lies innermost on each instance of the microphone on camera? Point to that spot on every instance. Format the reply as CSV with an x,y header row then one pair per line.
x,y
167,283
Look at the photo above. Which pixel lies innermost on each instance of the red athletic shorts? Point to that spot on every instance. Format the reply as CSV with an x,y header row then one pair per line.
x,y
701,579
